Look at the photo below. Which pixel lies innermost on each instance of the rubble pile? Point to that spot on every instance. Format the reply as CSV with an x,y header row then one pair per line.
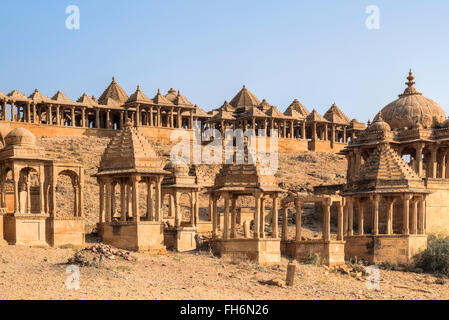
x,y
95,255
110,252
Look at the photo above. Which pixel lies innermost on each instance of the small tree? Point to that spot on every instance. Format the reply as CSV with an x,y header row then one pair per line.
x,y
435,259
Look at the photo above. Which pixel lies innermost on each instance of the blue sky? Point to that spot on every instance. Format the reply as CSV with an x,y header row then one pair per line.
x,y
317,51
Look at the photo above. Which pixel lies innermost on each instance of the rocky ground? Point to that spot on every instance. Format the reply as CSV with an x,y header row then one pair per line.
x,y
38,273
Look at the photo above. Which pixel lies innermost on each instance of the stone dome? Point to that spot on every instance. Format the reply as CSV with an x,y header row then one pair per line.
x,y
379,124
20,136
445,123
412,109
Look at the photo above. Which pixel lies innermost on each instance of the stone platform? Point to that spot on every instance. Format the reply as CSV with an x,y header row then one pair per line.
x,y
143,236
265,252
181,239
396,249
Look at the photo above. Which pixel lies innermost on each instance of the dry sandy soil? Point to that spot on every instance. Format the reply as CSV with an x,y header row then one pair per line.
x,y
37,273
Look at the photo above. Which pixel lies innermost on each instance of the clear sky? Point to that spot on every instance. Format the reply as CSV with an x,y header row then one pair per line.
x,y
317,51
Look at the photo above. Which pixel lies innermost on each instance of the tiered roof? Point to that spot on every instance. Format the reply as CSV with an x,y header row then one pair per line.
x,y
222,115
264,105
17,95
161,100
139,97
244,99
86,100
113,95
335,115
245,178
182,101
39,97
253,113
275,113
227,107
314,116
129,151
298,109
62,98
385,171
180,176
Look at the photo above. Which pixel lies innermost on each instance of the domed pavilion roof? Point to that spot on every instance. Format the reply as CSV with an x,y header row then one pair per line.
x,y
20,136
412,109
379,124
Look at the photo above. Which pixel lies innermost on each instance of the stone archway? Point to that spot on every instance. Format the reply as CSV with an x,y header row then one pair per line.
x,y
67,185
28,191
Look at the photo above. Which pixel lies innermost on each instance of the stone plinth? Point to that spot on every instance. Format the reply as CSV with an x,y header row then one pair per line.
x,y
332,253
144,236
26,230
265,252
181,239
65,230
396,249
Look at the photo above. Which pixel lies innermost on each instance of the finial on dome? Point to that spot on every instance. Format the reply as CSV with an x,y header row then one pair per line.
x,y
138,87
410,79
244,87
158,91
379,116
179,93
113,79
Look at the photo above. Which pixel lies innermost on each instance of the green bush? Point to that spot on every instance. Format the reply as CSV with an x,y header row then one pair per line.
x,y
435,259
313,259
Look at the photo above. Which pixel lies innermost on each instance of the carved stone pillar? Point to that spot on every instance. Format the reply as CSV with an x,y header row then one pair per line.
x,y
376,215
298,219
284,223
327,220
135,182
73,116
257,197
406,213
226,217
360,217
274,217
